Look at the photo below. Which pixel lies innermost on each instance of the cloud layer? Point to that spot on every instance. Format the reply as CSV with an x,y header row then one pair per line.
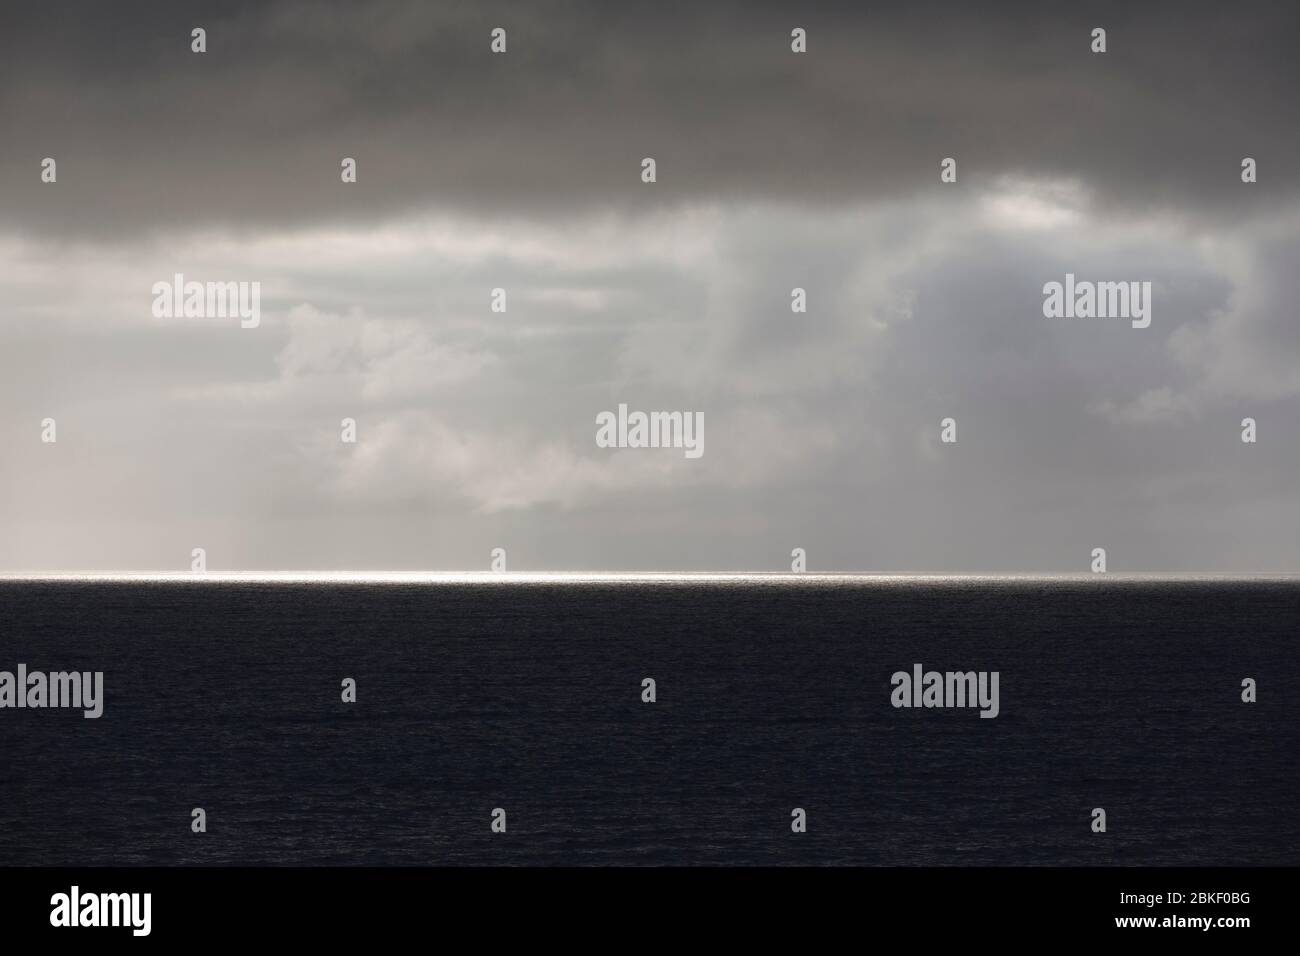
x,y
819,171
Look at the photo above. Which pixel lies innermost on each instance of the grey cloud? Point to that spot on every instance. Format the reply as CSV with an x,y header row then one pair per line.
x,y
477,430
250,135
775,171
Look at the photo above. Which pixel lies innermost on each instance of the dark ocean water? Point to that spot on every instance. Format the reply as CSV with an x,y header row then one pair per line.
x,y
771,695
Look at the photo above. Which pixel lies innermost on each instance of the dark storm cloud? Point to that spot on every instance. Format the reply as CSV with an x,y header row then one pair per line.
x,y
250,134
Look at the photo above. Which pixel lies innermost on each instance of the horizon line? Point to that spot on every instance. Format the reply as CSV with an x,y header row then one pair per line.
x,y
485,577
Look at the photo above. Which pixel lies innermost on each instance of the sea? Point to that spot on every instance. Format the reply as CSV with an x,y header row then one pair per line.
x,y
523,701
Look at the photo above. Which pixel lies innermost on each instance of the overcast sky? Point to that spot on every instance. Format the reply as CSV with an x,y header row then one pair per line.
x,y
522,171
